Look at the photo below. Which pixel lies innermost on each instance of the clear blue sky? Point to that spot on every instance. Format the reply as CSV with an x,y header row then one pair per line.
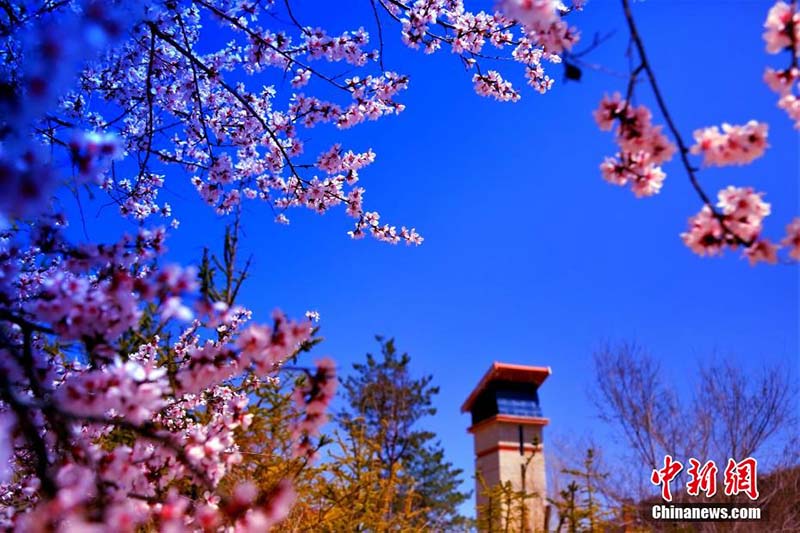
x,y
529,256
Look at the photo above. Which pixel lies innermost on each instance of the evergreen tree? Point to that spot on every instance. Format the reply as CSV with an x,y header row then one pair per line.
x,y
387,403
505,508
586,514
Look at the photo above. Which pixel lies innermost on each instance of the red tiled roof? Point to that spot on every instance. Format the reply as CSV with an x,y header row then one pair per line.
x,y
507,372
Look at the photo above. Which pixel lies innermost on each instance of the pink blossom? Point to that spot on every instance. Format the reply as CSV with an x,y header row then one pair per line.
x,y
792,239
745,210
791,105
76,485
645,178
531,13
739,221
492,84
783,34
735,145
279,503
126,389
313,396
610,109
761,251
782,81
89,295
705,234
782,29
643,147
274,511
301,78
542,20
93,152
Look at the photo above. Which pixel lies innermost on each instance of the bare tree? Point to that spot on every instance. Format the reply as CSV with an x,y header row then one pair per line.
x,y
747,410
732,413
632,396
729,413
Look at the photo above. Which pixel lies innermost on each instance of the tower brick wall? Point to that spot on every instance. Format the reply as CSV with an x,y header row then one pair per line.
x,y
509,447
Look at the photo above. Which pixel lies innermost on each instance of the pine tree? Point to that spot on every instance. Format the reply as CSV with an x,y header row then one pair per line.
x,y
505,509
388,404
587,513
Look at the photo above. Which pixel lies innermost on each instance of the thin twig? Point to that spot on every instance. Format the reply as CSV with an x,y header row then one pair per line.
x,y
380,33
682,147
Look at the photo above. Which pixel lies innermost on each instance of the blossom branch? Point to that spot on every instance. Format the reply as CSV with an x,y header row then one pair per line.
x,y
683,149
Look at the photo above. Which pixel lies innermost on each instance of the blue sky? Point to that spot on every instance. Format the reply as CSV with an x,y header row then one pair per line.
x,y
529,256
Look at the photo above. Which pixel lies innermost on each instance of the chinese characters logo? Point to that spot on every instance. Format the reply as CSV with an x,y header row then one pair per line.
x,y
738,477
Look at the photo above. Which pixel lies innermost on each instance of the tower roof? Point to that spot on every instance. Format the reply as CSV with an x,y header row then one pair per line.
x,y
507,372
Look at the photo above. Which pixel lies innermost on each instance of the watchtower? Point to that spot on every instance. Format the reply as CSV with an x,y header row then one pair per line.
x,y
507,425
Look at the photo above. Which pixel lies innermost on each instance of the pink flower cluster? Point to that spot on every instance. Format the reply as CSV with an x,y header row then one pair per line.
x,y
792,239
258,348
782,33
737,218
791,105
781,29
266,347
77,306
542,20
335,161
643,147
370,223
91,306
130,390
313,397
238,143
533,30
263,518
27,184
346,47
130,420
735,145
41,56
129,478
264,159
739,223
93,152
492,84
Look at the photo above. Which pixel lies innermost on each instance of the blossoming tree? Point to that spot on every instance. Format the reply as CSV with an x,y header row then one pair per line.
x,y
736,219
124,379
